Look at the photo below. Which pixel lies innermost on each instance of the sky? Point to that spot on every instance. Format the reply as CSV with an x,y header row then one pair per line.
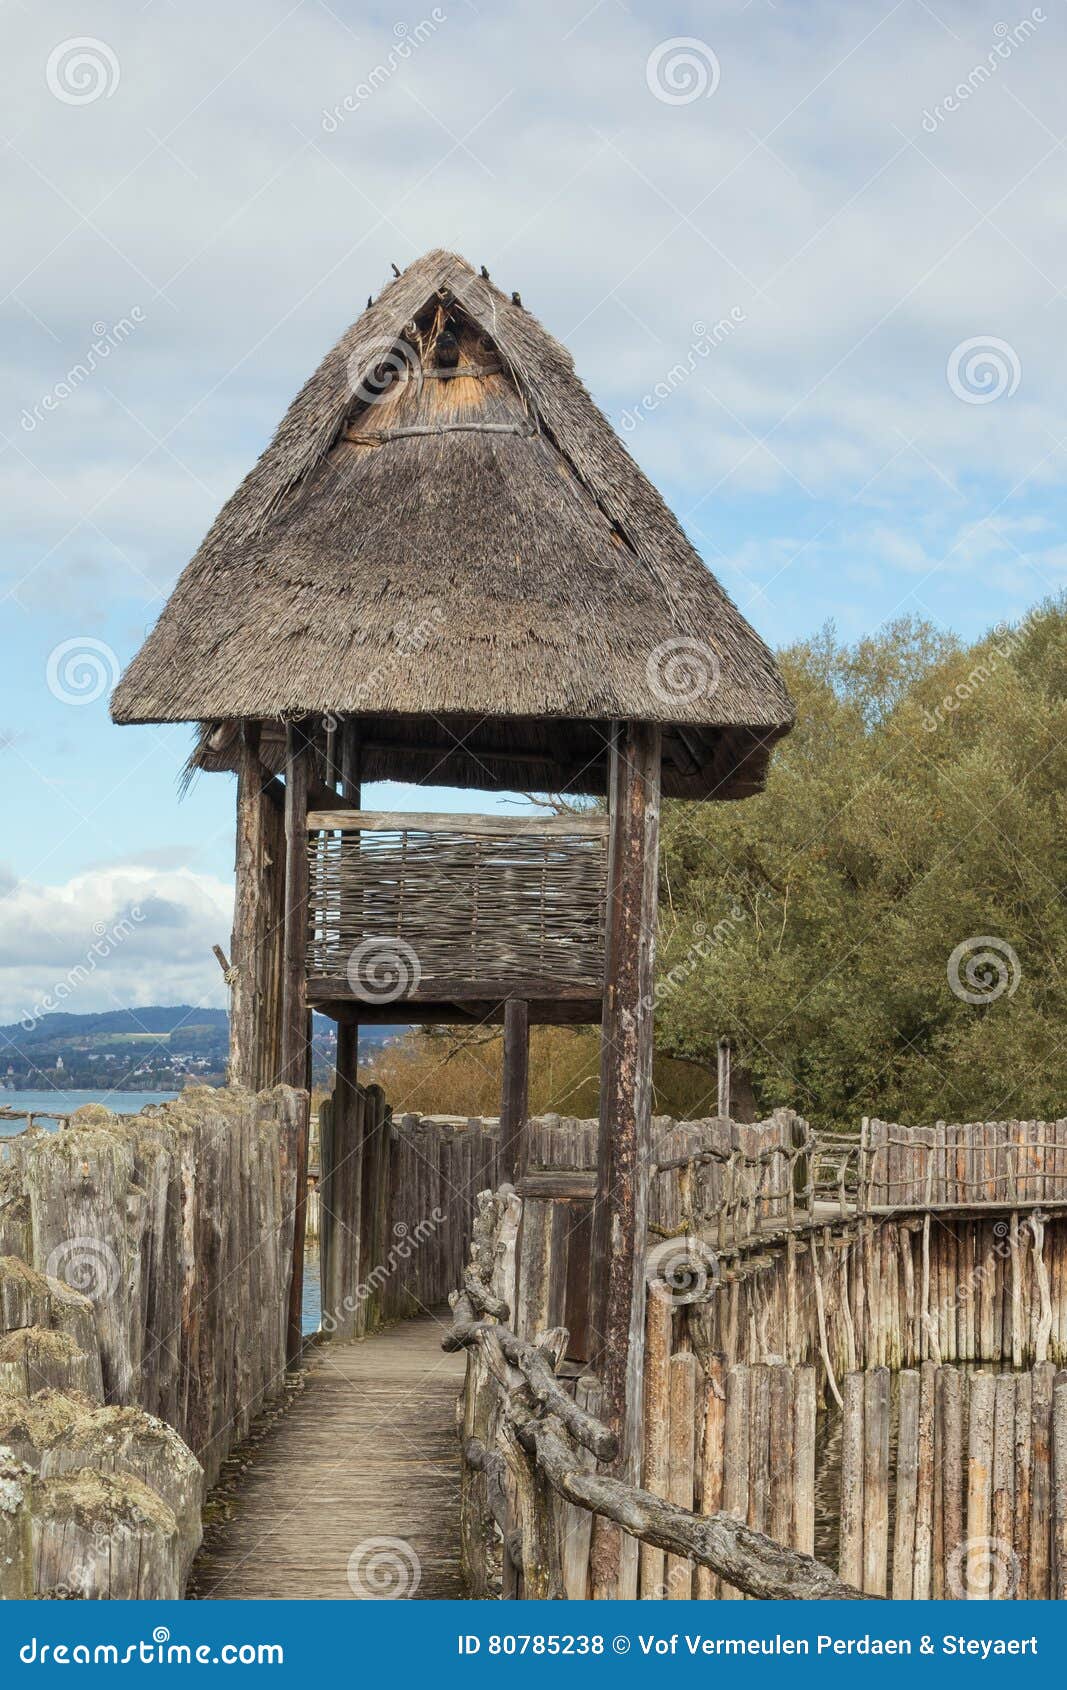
x,y
808,257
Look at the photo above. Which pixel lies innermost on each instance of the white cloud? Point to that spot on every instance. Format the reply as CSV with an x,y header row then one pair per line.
x,y
861,248
113,936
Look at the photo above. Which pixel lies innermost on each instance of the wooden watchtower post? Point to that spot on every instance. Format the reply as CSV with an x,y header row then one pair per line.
x,y
446,569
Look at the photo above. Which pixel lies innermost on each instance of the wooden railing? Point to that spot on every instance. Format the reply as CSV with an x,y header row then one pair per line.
x,y
781,1175
536,1449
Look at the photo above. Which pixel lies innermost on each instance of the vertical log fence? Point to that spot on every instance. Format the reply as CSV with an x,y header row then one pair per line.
x,y
979,1500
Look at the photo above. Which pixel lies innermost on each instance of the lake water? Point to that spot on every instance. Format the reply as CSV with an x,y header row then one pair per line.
x,y
47,1106
312,1290
51,1104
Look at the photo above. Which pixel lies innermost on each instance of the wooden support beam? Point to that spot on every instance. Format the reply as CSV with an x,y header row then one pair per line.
x,y
561,1185
620,1224
446,1012
294,1041
250,916
344,820
294,970
346,1069
514,1098
351,764
331,988
351,772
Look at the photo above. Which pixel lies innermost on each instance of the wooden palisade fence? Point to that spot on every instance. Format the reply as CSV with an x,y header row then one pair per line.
x,y
979,1504
781,1285
144,1276
532,1447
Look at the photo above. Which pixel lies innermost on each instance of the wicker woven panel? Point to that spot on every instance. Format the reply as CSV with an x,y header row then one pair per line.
x,y
514,906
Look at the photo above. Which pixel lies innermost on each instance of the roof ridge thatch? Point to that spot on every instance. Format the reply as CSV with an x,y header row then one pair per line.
x,y
559,570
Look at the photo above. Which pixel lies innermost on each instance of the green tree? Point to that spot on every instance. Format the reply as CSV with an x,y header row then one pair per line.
x,y
918,804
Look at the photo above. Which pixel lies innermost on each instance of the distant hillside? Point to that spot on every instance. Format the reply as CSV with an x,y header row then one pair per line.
x,y
152,1019
152,1048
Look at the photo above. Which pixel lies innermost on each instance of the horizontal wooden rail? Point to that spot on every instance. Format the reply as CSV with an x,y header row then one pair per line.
x,y
444,988
481,827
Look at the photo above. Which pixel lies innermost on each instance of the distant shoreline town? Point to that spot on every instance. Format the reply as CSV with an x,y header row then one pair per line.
x,y
151,1048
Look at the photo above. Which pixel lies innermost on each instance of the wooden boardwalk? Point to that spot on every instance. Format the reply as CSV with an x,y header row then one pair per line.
x,y
367,1452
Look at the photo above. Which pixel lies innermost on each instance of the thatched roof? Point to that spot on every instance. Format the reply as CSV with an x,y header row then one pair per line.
x,y
470,563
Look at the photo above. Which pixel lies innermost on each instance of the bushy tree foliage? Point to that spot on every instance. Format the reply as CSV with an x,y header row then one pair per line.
x,y
918,804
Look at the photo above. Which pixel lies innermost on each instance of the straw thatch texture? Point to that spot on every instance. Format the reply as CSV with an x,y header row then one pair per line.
x,y
455,547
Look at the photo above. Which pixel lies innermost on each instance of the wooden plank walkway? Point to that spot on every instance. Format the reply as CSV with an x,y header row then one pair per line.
x,y
368,1451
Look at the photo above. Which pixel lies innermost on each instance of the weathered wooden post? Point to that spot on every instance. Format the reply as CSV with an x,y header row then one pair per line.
x,y
352,793
248,914
723,1099
514,1098
293,1068
258,918
620,1227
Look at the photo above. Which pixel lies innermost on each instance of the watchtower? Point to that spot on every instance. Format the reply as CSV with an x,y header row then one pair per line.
x,y
446,569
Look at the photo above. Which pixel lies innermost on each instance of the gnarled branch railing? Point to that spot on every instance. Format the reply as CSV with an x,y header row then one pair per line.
x,y
549,1444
